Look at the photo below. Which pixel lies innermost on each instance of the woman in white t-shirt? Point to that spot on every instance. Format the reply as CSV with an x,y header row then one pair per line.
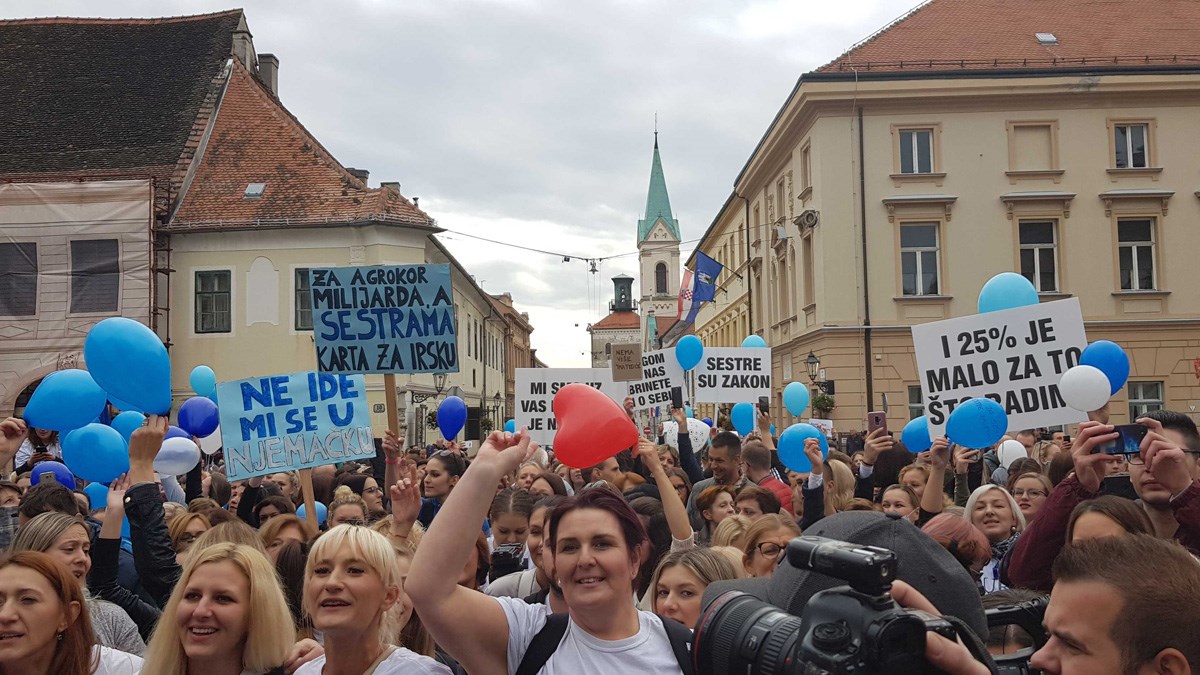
x,y
351,583
43,615
594,537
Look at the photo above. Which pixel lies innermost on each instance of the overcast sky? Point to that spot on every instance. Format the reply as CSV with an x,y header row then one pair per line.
x,y
531,121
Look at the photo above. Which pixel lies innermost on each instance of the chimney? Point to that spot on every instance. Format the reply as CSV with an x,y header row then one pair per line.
x,y
360,174
268,73
243,46
391,186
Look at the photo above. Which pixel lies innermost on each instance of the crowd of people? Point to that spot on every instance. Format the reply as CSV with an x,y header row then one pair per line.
x,y
509,561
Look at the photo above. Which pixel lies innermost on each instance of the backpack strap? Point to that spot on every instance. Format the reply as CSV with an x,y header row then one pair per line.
x,y
543,645
681,643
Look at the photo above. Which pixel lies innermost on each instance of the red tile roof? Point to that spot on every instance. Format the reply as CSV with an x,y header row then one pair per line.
x,y
619,321
256,140
999,34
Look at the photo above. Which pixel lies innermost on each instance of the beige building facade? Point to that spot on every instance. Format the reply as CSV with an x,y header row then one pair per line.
x,y
883,198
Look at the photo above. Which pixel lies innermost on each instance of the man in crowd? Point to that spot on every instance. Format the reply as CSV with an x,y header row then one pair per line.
x,y
756,457
724,460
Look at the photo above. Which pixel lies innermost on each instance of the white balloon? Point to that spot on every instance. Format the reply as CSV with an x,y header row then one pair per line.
x,y
177,456
1009,452
697,433
211,443
1085,388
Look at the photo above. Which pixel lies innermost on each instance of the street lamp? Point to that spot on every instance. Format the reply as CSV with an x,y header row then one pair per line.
x,y
439,383
496,399
812,363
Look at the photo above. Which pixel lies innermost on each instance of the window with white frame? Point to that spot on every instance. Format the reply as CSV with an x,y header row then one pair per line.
x,y
1144,397
1039,253
95,275
916,151
1131,142
18,279
919,258
302,319
213,298
1135,253
916,402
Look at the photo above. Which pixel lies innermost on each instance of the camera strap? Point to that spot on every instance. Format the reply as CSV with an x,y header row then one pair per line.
x,y
973,643
547,640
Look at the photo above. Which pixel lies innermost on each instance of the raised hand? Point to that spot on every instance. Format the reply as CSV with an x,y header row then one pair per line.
x,y
391,444
939,453
680,417
12,433
877,442
144,445
406,499
506,450
812,449
649,454
963,458
1164,460
1091,465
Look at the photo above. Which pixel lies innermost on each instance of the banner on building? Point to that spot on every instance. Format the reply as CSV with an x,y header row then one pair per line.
x,y
384,319
733,375
535,390
660,372
294,421
1014,357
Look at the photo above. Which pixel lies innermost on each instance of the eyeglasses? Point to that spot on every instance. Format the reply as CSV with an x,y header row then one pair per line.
x,y
1135,458
769,549
1029,493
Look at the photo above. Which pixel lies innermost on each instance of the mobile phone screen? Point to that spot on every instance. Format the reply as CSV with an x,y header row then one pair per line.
x,y
677,397
1128,441
876,420
764,404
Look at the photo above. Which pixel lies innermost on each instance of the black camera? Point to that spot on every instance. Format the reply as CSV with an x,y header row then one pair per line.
x,y
849,629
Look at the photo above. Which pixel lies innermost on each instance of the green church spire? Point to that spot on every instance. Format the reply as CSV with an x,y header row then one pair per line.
x,y
658,203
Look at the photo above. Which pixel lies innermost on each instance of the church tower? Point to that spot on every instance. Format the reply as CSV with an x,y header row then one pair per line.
x,y
658,256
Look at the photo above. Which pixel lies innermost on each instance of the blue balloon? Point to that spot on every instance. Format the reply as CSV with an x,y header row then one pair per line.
x,y
745,417
451,416
175,432
123,406
62,475
687,411
203,380
977,423
796,398
65,400
1007,290
129,362
772,431
688,351
791,446
915,436
198,416
96,453
128,422
754,341
511,426
321,509
1110,359
708,421
97,495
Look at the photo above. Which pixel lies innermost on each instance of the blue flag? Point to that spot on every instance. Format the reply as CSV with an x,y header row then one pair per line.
x,y
707,271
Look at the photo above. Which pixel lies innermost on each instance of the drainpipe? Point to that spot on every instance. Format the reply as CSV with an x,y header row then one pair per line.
x,y
749,272
862,203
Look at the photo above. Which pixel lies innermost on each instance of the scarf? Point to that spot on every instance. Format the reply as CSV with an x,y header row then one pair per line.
x,y
1000,549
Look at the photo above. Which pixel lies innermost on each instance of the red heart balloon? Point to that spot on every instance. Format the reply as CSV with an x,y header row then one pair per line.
x,y
591,426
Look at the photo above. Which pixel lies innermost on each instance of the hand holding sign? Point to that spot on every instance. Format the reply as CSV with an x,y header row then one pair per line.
x,y
591,427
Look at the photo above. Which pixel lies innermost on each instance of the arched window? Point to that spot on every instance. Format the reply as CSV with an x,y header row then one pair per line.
x,y
660,279
608,349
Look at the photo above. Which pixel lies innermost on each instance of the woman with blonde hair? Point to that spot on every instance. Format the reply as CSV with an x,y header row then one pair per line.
x,y
185,529
347,508
680,579
994,511
766,543
731,532
231,532
351,582
224,617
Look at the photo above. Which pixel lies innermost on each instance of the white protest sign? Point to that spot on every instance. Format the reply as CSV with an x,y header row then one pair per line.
x,y
1014,357
733,375
535,392
660,372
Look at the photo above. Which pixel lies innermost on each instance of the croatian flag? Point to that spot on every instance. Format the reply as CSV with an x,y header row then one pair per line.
x,y
688,305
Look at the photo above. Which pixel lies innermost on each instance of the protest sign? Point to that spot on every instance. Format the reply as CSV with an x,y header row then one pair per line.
x,y
294,421
660,372
384,319
535,390
733,375
627,362
1014,357
826,426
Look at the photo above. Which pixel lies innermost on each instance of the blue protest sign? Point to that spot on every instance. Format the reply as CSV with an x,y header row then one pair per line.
x,y
294,421
384,319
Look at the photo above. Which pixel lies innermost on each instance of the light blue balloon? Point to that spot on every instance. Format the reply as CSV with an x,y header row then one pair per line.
x,y
1108,358
687,411
772,431
65,400
915,436
123,406
203,380
130,362
796,398
128,422
744,416
754,341
97,495
1007,290
791,446
511,426
321,509
96,453
977,423
688,351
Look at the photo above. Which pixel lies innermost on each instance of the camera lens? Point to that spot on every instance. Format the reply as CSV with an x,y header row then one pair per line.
x,y
740,633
